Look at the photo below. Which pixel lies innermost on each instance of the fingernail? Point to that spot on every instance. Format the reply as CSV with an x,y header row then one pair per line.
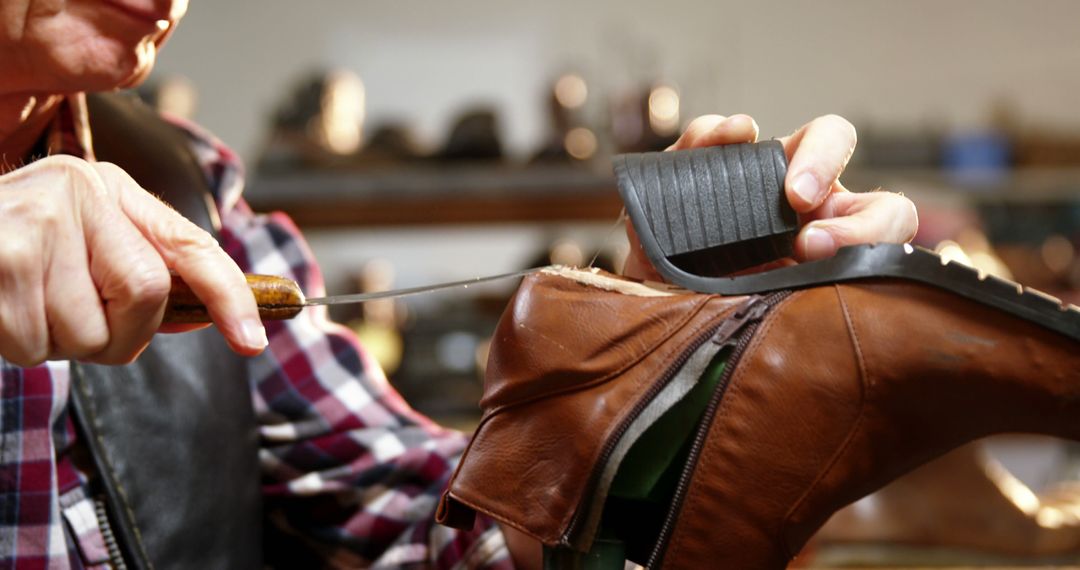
x,y
253,333
807,188
818,243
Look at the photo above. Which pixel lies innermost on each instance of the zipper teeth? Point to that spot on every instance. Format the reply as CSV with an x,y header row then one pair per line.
x,y
655,389
683,486
116,559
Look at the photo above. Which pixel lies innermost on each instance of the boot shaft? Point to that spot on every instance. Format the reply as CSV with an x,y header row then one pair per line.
x,y
844,389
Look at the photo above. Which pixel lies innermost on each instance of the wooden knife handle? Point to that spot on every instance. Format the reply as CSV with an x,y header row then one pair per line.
x,y
278,299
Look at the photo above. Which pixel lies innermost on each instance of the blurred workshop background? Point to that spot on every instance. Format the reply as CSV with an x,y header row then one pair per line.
x,y
416,142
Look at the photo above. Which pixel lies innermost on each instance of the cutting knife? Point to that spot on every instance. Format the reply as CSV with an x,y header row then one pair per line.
x,y
280,298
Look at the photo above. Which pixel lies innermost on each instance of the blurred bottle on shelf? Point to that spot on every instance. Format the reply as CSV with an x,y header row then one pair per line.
x,y
570,137
647,119
321,125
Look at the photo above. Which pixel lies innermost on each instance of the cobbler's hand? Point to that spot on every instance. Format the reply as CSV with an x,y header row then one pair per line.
x,y
85,255
832,216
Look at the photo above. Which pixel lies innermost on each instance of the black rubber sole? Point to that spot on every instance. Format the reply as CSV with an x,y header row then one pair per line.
x,y
899,261
712,211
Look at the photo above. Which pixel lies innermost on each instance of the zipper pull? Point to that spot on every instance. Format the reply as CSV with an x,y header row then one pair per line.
x,y
753,309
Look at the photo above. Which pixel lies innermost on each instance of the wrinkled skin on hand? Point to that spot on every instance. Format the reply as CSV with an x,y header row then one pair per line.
x,y
85,255
831,216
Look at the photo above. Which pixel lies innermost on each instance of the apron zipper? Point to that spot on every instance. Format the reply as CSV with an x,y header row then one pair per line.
x,y
116,559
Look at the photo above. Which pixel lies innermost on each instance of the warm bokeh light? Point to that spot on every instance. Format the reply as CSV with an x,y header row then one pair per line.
x,y
973,249
950,252
341,123
1050,517
1058,253
664,109
1012,488
177,96
571,91
567,252
580,143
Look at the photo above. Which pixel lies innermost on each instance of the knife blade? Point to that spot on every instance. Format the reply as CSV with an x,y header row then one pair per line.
x,y
280,298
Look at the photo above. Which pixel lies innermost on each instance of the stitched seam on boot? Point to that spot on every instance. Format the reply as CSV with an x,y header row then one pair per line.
x,y
864,385
732,391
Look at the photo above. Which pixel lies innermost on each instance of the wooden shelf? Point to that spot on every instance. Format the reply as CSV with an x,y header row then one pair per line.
x,y
432,194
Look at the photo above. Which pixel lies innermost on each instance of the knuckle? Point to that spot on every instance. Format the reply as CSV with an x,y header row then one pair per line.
x,y
703,121
703,124
147,286
70,167
65,163
91,343
80,349
33,208
47,214
27,354
24,361
79,176
21,259
843,234
192,240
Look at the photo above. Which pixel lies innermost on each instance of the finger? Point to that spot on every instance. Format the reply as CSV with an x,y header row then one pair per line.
x,y
133,283
817,154
73,306
24,335
196,256
711,130
871,217
28,217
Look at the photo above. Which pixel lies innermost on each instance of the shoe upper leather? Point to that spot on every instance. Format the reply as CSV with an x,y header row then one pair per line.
x,y
841,389
549,409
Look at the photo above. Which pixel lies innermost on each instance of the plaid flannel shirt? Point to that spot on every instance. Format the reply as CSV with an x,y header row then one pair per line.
x,y
347,465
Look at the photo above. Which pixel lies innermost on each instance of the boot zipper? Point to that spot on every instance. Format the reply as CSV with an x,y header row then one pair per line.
x,y
738,336
752,309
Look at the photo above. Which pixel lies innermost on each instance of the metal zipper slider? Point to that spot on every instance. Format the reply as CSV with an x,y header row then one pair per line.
x,y
753,309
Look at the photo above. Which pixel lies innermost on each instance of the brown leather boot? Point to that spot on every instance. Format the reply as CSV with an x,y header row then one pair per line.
x,y
960,508
828,393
